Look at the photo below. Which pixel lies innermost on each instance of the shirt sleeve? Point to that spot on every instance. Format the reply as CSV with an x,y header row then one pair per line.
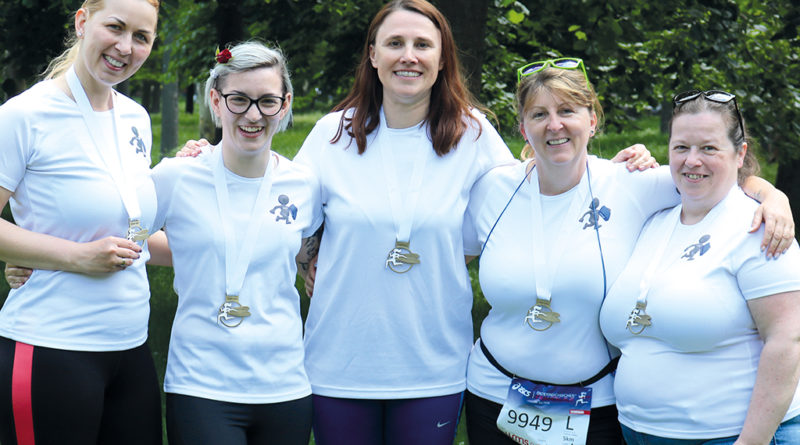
x,y
759,277
15,150
165,177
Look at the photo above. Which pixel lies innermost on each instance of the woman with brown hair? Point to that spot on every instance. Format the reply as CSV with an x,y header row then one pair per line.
x,y
389,328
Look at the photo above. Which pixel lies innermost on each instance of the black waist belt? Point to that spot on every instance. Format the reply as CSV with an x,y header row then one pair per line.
x,y
611,366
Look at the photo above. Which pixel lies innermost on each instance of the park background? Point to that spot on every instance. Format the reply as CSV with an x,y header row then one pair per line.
x,y
638,54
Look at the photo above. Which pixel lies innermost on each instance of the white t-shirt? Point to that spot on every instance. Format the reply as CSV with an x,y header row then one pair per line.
x,y
574,349
371,332
62,188
260,360
691,373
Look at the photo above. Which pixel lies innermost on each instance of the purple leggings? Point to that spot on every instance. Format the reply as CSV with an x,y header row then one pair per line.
x,y
431,420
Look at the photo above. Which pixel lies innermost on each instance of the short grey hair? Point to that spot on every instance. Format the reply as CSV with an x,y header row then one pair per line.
x,y
248,56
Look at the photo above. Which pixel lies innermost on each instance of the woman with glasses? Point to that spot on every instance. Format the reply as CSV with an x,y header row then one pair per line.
x,y
236,220
555,236
74,166
709,328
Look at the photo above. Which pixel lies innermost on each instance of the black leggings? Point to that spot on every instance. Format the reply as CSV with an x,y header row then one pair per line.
x,y
199,421
482,428
55,396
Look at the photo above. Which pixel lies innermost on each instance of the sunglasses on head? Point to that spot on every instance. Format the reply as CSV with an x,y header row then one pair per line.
x,y
564,63
718,96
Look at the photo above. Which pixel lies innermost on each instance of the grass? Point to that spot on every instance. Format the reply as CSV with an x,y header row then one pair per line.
x,y
164,300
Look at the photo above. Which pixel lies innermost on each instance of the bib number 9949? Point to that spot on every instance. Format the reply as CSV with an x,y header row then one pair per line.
x,y
523,420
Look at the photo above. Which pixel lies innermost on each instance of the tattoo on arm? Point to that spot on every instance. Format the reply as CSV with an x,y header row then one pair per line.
x,y
309,250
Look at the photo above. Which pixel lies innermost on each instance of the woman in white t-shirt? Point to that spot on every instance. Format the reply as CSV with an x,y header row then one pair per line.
x,y
74,165
235,219
555,236
708,326
389,327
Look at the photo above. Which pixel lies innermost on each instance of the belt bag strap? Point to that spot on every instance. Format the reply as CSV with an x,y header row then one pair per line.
x,y
610,367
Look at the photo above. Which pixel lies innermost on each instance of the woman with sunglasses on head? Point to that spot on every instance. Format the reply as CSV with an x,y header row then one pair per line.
x,y
555,236
243,214
709,328
74,166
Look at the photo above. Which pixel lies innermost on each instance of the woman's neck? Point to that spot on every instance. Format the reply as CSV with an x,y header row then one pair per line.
x,y
555,180
99,94
251,165
399,115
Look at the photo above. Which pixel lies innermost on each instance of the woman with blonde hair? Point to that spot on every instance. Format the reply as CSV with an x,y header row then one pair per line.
x,y
74,165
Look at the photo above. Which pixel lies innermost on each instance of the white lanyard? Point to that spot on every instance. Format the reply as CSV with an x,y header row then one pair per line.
x,y
545,270
402,212
114,164
238,260
638,319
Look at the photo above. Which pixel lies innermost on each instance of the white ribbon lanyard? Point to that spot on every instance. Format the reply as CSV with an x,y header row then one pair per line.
x,y
238,260
638,319
403,210
544,269
114,164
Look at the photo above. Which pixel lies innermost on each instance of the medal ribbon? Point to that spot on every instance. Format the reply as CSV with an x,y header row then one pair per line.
x,y
545,270
666,229
238,260
114,165
402,215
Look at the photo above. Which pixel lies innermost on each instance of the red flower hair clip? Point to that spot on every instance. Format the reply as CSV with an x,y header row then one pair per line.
x,y
223,56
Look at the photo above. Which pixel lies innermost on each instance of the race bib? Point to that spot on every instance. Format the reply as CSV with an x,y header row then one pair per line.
x,y
536,414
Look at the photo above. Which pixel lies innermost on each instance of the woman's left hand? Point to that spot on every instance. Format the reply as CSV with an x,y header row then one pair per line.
x,y
636,157
776,214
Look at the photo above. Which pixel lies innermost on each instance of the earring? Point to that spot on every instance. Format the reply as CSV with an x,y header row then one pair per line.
x,y
591,133
80,34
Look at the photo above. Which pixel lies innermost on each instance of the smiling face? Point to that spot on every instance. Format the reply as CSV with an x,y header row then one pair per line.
x,y
116,40
407,55
558,130
702,160
250,133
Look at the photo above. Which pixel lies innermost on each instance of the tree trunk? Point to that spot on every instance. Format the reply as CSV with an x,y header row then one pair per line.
x,y
206,127
788,181
229,22
169,110
468,20
189,99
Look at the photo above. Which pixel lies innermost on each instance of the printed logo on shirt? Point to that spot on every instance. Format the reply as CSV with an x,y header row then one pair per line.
x,y
137,142
285,210
700,247
591,215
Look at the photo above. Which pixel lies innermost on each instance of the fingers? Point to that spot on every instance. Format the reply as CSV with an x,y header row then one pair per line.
x,y
17,276
192,148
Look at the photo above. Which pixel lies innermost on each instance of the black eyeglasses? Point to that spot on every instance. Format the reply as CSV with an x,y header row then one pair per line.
x,y
267,105
718,96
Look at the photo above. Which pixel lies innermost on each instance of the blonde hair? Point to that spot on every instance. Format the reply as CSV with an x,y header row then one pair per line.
x,y
61,64
568,84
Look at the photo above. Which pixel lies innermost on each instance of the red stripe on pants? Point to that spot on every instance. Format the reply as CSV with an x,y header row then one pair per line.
x,y
21,393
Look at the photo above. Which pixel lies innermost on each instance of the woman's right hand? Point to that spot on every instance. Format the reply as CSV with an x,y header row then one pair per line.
x,y
16,275
110,254
192,148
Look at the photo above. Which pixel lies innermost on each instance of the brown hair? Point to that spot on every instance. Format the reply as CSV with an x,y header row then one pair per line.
x,y
727,111
450,101
572,85
61,64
